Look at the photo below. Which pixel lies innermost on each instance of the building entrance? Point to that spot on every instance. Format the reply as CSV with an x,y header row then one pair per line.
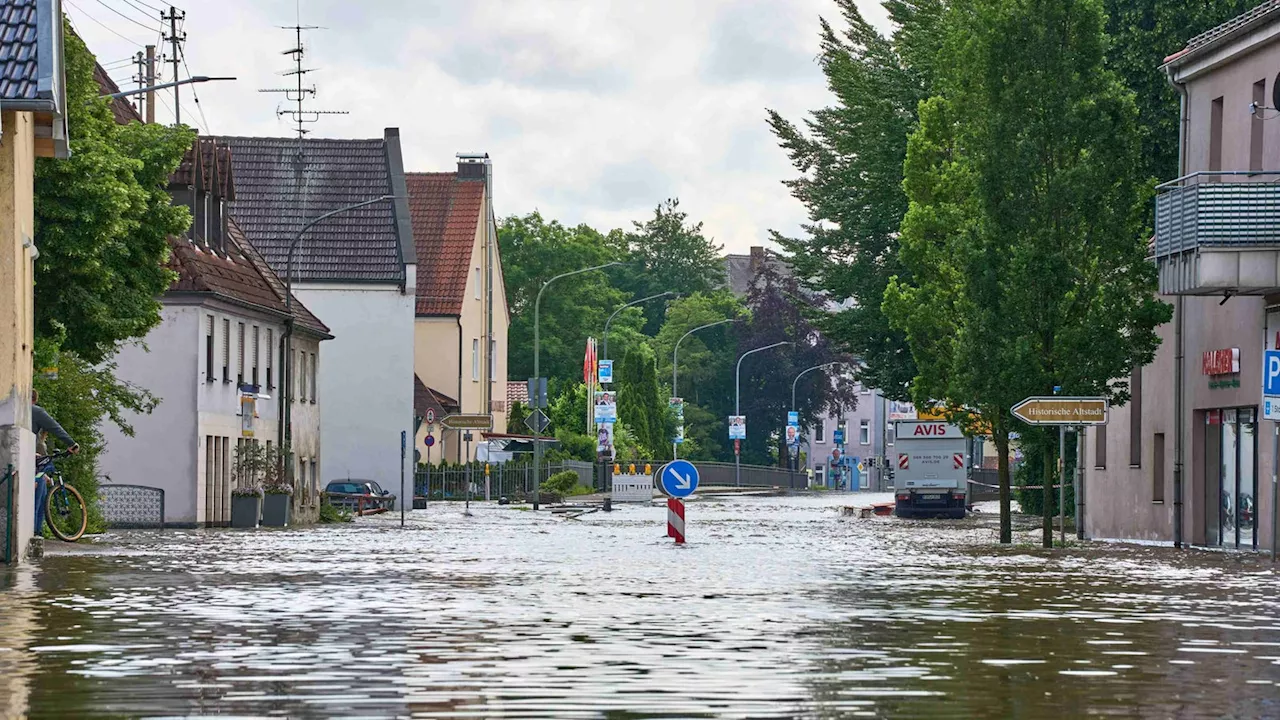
x,y
1231,478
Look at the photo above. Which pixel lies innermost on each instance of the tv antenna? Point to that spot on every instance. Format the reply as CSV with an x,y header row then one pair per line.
x,y
298,94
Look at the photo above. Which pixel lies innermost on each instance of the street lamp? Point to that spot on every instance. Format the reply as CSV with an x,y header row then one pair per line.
x,y
737,398
675,365
287,360
791,465
624,307
537,365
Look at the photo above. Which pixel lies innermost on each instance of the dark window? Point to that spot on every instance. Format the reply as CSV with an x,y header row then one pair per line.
x,y
271,354
1215,135
820,432
208,351
240,350
1255,125
256,350
1100,446
1135,418
1157,468
226,351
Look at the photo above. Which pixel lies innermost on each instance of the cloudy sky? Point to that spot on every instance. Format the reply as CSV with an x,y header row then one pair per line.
x,y
592,111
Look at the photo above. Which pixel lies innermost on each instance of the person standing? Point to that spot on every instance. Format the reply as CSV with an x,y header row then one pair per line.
x,y
42,423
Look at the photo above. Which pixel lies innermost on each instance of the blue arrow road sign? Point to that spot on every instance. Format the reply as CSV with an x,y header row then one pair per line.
x,y
679,478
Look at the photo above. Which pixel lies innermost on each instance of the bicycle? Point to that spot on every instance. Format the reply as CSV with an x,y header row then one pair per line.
x,y
64,508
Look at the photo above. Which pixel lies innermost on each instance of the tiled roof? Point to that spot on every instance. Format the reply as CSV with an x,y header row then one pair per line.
x,y
518,392
1209,37
741,270
240,275
123,110
424,397
211,166
271,205
19,64
446,210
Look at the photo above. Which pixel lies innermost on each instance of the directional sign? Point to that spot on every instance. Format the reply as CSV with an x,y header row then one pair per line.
x,y
537,421
468,422
679,478
1057,410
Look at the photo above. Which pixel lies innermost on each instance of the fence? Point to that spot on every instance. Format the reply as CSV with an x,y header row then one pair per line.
x,y
510,480
131,506
8,495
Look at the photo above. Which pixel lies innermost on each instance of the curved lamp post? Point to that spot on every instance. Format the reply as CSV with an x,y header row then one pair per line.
x,y
286,362
537,365
801,374
622,307
675,366
737,397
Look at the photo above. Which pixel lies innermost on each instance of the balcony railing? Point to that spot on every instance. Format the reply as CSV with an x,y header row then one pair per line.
x,y
1219,231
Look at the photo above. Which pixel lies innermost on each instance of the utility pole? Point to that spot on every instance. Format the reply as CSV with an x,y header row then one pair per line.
x,y
141,77
150,73
175,41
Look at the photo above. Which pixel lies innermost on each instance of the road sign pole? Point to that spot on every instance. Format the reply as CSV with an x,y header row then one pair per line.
x,y
1062,484
1275,509
1080,483
403,448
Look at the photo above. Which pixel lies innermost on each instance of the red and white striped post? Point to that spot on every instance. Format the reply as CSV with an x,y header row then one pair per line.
x,y
675,520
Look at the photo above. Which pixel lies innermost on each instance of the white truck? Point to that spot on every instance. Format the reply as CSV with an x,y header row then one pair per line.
x,y
930,471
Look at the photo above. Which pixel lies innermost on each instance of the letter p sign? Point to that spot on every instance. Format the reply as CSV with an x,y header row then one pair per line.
x,y
1271,373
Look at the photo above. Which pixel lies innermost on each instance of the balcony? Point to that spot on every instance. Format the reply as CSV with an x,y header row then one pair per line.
x,y
1218,233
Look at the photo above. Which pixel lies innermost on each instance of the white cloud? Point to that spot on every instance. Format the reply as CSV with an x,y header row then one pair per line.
x,y
592,111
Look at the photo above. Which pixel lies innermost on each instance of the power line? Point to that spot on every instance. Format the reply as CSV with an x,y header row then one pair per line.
x,y
126,17
103,25
153,7
194,95
133,4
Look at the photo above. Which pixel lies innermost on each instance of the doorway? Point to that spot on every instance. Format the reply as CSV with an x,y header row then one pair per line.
x,y
1231,477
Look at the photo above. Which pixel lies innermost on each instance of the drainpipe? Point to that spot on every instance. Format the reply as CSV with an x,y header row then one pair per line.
x,y
457,434
1178,315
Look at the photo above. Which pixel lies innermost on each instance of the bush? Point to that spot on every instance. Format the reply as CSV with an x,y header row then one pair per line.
x,y
331,514
562,483
1031,472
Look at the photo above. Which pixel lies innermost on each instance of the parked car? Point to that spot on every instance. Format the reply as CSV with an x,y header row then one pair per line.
x,y
349,487
351,491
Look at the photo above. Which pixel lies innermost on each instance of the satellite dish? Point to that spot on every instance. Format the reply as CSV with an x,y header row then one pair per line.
x,y
1275,92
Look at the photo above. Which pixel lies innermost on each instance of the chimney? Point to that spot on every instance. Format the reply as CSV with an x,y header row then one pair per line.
x,y
471,166
757,258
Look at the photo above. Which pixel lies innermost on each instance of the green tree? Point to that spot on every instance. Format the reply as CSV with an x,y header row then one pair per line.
x,y
850,157
641,405
667,252
101,222
1142,33
533,251
1024,237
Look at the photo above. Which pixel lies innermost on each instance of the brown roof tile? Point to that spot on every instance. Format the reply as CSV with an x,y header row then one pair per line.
x,y
424,397
445,211
123,110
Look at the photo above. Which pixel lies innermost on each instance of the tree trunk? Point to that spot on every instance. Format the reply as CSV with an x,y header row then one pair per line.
x,y
1049,474
1002,465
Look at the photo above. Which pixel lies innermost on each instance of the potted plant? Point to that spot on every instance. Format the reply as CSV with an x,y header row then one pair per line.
x,y
246,506
276,504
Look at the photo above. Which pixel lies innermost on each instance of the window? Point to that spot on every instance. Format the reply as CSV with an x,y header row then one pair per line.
x,y
271,352
477,283
1100,447
1157,467
226,350
302,376
864,432
820,431
240,353
820,475
493,360
315,477
302,472
256,350
475,359
1215,136
1135,418
1255,126
313,378
209,478
889,433
208,351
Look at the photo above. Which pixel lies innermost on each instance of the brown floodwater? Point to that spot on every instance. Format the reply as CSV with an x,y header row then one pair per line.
x,y
777,607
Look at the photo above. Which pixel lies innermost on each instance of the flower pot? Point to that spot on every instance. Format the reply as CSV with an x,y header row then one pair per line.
x,y
275,509
244,511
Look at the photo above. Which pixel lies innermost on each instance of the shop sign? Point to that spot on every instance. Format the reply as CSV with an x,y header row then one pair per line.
x,y
1221,362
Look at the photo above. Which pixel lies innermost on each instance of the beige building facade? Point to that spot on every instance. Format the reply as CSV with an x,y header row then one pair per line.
x,y
1190,460
460,328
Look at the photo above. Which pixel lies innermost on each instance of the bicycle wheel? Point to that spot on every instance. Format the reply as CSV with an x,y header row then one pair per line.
x,y
66,514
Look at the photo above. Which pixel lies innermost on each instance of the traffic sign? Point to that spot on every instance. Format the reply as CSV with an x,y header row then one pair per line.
x,y
430,417
468,422
1057,410
1271,384
430,441
679,478
838,436
537,420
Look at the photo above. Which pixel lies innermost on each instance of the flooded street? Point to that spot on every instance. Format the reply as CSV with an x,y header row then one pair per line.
x,y
777,607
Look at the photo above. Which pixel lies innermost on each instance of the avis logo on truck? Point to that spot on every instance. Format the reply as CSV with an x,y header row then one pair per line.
x,y
931,478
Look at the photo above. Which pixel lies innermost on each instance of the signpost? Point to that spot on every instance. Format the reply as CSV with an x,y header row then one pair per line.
x,y
677,479
1063,411
404,444
467,422
1271,411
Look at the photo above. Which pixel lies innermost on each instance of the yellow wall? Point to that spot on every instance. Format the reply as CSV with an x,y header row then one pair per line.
x,y
436,351
17,165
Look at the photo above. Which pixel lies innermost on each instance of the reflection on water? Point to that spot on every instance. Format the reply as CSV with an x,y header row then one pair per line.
x,y
777,607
